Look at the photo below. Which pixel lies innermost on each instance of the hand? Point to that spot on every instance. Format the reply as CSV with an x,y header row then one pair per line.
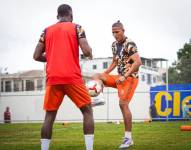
x,y
120,79
90,57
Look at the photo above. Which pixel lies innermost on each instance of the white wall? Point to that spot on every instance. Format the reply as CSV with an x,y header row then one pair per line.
x,y
28,106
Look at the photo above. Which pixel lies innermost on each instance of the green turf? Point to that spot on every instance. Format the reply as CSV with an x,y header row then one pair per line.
x,y
108,136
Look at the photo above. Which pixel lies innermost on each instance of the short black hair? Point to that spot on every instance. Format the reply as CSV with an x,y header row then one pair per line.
x,y
64,10
118,24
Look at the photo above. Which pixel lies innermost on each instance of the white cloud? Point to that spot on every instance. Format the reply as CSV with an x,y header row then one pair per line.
x,y
159,27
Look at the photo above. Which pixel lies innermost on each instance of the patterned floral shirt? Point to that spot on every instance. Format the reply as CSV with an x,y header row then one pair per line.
x,y
123,51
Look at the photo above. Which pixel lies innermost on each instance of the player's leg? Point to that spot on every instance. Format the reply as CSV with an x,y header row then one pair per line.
x,y
53,98
88,120
88,126
127,117
99,77
46,130
104,80
126,91
79,95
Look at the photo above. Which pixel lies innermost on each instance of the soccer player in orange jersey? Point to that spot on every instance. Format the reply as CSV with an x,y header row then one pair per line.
x,y
59,48
127,61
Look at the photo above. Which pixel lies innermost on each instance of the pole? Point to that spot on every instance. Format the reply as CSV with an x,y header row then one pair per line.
x,y
167,88
0,80
107,104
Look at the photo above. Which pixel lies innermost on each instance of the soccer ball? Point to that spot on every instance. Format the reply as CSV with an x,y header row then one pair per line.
x,y
94,88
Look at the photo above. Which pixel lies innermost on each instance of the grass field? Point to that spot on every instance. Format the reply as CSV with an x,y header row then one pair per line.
x,y
108,136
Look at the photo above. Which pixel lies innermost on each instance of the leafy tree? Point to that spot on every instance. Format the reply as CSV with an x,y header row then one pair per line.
x,y
173,75
180,72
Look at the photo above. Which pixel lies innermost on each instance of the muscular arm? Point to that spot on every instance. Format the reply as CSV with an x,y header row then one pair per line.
x,y
39,53
86,49
136,64
112,66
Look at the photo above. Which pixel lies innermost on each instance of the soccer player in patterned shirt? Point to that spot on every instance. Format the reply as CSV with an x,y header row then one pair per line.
x,y
127,61
59,48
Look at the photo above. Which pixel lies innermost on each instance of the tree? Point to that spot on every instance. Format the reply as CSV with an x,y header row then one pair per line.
x,y
173,77
180,72
184,63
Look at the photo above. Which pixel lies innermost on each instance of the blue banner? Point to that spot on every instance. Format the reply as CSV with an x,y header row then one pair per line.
x,y
169,103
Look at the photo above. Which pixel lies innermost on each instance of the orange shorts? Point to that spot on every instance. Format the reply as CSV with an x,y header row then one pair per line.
x,y
55,94
126,89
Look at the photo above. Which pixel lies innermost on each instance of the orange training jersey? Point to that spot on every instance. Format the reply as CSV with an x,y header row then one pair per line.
x,y
62,53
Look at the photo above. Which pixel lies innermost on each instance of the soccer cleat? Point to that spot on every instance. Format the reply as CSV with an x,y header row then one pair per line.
x,y
126,143
97,102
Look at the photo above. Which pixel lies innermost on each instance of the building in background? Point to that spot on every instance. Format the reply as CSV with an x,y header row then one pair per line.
x,y
32,80
151,73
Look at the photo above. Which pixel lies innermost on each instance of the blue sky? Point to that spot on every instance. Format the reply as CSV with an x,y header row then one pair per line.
x,y
158,27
